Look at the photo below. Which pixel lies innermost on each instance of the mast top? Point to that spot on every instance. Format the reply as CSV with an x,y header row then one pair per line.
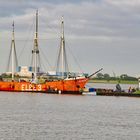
x,y
37,11
36,22
62,27
13,26
62,19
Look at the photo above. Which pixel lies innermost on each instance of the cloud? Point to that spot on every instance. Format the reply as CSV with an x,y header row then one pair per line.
x,y
86,18
97,25
119,3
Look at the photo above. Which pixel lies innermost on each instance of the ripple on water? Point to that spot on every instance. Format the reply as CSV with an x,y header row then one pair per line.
x,y
66,117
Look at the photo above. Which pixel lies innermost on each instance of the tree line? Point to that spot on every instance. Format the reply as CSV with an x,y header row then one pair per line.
x,y
106,76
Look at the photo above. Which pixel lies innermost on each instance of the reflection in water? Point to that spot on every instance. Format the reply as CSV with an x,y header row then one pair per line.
x,y
27,116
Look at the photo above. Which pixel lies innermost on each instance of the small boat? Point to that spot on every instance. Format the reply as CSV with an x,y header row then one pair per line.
x,y
65,85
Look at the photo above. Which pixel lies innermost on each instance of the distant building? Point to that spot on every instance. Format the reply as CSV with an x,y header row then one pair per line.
x,y
72,74
24,71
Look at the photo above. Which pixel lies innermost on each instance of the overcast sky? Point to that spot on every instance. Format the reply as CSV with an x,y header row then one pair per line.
x,y
99,33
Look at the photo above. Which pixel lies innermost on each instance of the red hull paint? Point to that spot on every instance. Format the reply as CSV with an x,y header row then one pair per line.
x,y
74,86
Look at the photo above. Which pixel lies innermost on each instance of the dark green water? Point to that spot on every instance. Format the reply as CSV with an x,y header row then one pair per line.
x,y
27,116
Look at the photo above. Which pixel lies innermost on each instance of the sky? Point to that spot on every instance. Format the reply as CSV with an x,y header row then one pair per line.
x,y
98,33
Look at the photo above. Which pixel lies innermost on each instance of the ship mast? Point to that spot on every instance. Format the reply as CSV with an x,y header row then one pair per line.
x,y
62,59
13,54
13,44
62,45
35,50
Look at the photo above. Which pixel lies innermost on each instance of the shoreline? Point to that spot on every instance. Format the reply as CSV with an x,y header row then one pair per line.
x,y
113,82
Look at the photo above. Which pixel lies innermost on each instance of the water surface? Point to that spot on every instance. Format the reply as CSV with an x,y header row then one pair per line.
x,y
28,116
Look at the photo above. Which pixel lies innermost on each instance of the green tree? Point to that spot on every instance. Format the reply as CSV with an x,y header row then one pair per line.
x,y
123,76
106,76
100,76
129,78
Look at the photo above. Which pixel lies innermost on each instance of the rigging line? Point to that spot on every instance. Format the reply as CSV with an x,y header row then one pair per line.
x,y
66,61
47,39
42,64
65,55
58,58
15,55
49,27
8,64
50,66
46,58
39,61
74,55
56,32
75,58
31,61
27,39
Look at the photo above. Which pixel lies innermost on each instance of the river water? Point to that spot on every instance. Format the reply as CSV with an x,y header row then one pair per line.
x,y
37,116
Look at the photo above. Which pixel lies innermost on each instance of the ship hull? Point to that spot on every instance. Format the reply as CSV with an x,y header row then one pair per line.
x,y
69,86
22,87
